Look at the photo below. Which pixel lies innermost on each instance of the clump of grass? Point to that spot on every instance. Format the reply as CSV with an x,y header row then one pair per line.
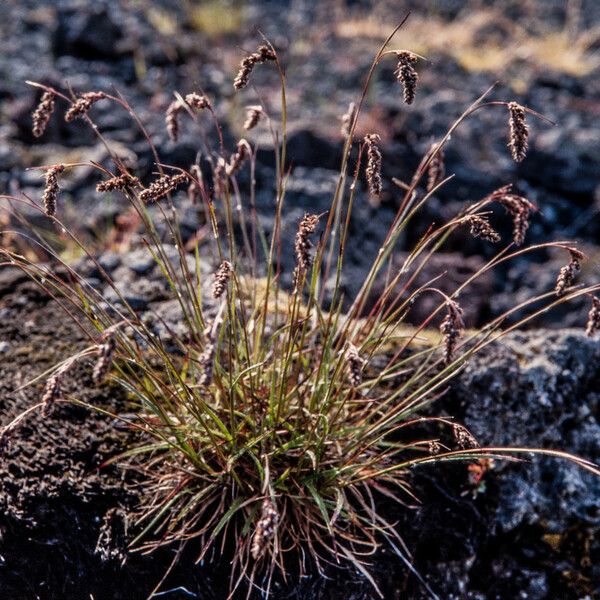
x,y
270,433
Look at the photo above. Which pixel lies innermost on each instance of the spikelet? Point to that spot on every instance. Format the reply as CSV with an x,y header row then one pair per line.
x,y
161,187
451,328
437,167
82,105
593,322
219,177
43,112
253,115
263,54
481,228
265,528
347,119
207,358
566,276
222,277
120,182
406,74
172,119
518,208
195,187
198,102
51,189
463,437
302,246
354,365
106,352
434,447
52,391
237,160
519,131
373,170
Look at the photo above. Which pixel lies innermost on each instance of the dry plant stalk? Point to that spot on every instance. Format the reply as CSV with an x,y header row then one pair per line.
x,y
481,228
519,131
566,276
253,115
593,322
451,328
42,113
302,246
222,277
354,365
120,182
82,105
347,119
263,54
406,74
51,190
161,187
265,528
373,170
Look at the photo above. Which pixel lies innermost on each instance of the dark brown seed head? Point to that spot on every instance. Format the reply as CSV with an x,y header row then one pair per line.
x,y
263,54
481,228
82,105
463,437
451,328
42,113
253,116
593,323
121,182
172,119
434,447
373,170
519,209
161,187
302,247
406,74
52,391
566,276
437,168
347,119
222,277
237,159
354,364
198,101
265,528
51,189
519,131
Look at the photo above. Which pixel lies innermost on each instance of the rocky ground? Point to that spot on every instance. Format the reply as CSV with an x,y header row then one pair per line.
x,y
534,531
531,530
